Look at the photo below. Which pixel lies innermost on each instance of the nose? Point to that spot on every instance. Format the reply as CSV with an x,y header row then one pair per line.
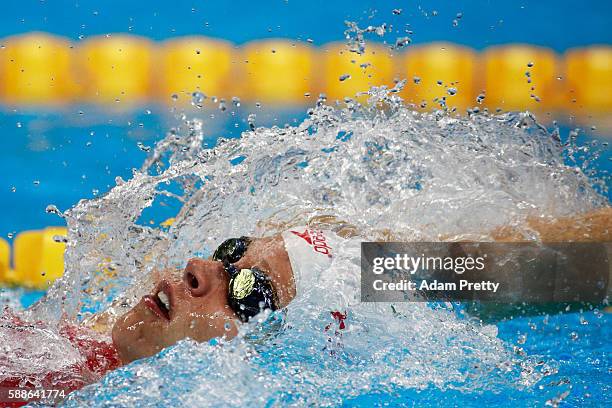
x,y
200,275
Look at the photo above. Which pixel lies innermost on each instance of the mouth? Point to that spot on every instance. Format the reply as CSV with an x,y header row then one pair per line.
x,y
160,302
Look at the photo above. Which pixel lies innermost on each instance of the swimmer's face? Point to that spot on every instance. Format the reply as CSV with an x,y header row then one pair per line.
x,y
195,306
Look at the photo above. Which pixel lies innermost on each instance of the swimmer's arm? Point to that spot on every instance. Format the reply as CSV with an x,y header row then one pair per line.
x,y
325,222
593,226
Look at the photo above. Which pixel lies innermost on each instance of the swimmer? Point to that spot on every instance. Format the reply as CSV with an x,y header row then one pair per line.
x,y
213,297
246,275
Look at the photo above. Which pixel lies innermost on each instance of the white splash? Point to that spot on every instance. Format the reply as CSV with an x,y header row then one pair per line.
x,y
381,167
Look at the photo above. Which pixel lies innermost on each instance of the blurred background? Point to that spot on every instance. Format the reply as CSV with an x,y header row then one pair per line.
x,y
87,87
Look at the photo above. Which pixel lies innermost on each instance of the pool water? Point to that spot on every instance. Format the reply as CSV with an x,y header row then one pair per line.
x,y
578,343
60,157
418,175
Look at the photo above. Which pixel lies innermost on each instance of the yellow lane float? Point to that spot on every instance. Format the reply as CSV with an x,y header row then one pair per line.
x,y
38,69
588,74
191,64
5,259
38,257
439,71
35,69
521,77
116,69
277,72
346,73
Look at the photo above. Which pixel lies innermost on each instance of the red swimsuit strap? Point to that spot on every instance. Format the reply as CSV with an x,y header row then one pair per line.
x,y
100,357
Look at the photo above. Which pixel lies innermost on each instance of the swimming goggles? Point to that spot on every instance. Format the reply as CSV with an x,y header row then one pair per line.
x,y
250,290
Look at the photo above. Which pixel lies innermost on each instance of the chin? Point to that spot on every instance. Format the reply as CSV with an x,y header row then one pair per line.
x,y
132,348
133,336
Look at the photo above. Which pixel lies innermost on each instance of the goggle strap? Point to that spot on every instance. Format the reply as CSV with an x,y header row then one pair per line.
x,y
231,270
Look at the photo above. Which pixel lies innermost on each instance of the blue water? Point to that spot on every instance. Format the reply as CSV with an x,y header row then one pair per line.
x,y
578,343
558,24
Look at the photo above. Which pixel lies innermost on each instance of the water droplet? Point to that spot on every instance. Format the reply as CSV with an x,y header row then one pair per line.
x,y
439,82
530,64
459,16
455,23
36,182
451,91
344,77
574,336
236,101
222,106
10,235
13,189
52,209
197,99
402,42
19,124
143,147
397,12
416,80
174,97
522,339
251,121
